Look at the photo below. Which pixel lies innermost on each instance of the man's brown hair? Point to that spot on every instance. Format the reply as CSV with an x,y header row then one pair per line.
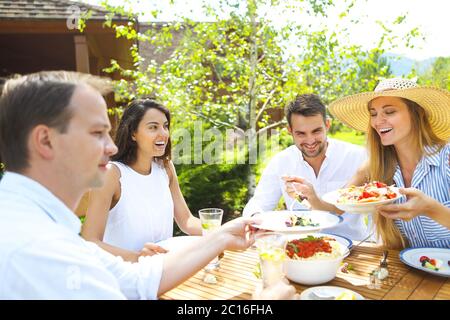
x,y
34,99
306,105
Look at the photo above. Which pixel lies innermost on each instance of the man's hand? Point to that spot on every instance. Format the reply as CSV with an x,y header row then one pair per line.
x,y
296,186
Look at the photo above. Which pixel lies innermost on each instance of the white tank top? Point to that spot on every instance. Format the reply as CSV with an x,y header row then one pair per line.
x,y
144,212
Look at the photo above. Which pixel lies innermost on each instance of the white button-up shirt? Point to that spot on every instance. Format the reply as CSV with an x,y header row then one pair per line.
x,y
42,255
342,159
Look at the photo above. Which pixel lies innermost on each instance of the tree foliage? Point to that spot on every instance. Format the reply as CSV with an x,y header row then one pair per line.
x,y
233,70
438,74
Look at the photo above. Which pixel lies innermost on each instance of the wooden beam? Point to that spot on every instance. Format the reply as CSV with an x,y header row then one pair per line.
x,y
81,54
51,26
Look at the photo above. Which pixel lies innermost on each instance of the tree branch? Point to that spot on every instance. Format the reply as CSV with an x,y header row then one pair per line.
x,y
273,125
253,65
261,58
265,105
215,71
214,122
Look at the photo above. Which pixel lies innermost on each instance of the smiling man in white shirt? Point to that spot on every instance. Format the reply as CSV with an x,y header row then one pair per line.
x,y
55,143
326,164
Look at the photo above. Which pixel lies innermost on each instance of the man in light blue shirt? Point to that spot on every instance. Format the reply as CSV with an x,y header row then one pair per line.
x,y
55,143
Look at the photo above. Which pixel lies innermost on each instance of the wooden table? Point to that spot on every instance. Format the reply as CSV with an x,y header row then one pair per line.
x,y
235,279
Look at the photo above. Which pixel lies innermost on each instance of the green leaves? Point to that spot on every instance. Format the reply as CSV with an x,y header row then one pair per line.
x,y
82,21
209,71
438,74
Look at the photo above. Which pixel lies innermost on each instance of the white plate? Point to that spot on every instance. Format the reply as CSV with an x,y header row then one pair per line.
x,y
367,207
342,240
176,243
324,291
411,257
276,220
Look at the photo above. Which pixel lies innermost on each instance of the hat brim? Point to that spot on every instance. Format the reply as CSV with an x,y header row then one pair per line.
x,y
353,110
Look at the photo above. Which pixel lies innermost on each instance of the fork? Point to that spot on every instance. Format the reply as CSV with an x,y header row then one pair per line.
x,y
347,253
363,240
296,199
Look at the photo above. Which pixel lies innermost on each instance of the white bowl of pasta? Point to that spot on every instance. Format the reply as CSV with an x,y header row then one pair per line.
x,y
313,260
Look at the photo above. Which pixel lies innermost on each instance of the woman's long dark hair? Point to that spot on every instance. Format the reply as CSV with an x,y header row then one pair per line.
x,y
128,125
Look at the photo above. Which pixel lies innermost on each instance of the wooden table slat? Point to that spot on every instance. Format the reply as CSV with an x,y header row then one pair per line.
x,y
428,288
444,292
405,287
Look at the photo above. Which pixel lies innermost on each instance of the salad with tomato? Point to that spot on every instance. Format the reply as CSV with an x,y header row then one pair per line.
x,y
433,264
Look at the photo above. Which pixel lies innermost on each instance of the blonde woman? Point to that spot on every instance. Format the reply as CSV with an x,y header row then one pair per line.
x,y
408,129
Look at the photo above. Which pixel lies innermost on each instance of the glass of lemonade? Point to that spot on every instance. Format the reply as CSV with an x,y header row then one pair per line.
x,y
211,219
271,250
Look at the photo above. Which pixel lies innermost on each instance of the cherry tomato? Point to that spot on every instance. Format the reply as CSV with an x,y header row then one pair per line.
x,y
380,184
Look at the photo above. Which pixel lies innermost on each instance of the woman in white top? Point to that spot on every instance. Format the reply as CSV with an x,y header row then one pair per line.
x,y
136,206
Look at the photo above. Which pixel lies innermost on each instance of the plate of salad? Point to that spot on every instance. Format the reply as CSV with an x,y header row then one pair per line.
x,y
297,221
431,260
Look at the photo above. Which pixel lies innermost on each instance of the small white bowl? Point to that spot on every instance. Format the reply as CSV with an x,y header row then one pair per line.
x,y
313,272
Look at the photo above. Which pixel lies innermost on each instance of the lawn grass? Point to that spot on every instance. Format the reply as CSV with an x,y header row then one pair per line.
x,y
350,136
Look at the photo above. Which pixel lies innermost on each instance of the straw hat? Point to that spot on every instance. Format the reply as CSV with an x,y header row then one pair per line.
x,y
353,111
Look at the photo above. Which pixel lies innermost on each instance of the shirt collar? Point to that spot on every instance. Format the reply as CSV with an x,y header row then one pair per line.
x,y
329,151
398,179
431,156
41,196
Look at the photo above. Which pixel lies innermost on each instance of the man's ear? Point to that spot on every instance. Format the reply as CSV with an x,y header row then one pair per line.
x,y
328,123
289,129
41,141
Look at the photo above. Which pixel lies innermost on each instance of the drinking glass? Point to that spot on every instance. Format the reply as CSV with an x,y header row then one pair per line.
x,y
271,250
211,219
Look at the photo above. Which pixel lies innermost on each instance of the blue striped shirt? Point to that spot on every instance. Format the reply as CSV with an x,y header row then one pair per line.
x,y
432,177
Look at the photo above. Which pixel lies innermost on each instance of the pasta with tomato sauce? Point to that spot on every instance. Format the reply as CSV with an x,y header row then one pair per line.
x,y
370,192
313,248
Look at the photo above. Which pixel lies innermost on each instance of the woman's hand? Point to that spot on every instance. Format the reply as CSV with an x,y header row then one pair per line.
x,y
151,249
238,233
418,203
